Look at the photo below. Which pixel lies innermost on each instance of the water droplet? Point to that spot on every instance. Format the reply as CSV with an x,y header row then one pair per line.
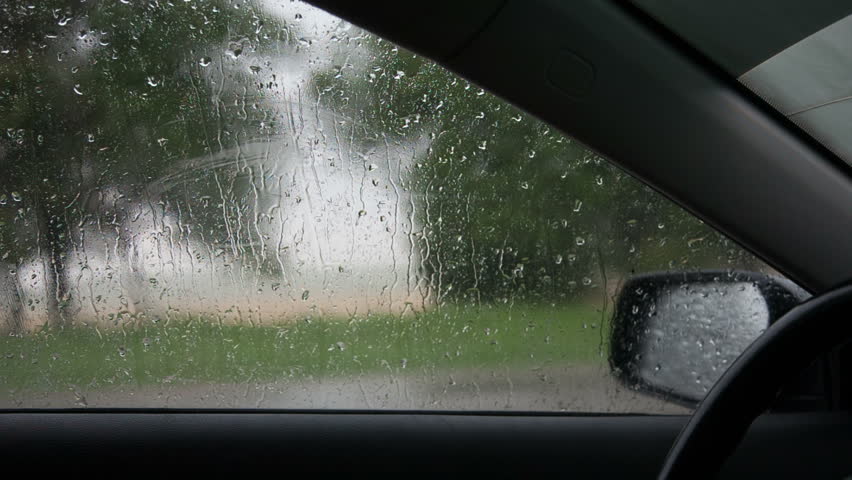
x,y
483,145
587,281
580,241
361,213
90,138
599,180
525,185
399,74
235,50
254,69
205,61
77,89
306,294
162,141
558,259
152,82
578,205
122,352
16,196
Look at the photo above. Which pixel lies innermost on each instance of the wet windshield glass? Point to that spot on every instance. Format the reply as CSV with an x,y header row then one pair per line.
x,y
256,204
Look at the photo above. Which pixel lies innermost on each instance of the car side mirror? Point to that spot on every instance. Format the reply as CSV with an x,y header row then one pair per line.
x,y
674,334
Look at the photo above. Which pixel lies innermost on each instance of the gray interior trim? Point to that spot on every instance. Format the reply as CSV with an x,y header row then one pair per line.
x,y
810,82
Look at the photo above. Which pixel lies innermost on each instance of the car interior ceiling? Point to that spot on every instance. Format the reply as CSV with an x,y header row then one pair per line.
x,y
642,93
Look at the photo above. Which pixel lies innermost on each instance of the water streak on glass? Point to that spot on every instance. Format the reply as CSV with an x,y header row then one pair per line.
x,y
255,204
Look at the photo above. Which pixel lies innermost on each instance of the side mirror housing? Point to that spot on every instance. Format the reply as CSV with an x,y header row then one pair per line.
x,y
674,334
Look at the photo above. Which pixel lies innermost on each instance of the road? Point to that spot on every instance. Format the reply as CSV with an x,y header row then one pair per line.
x,y
567,389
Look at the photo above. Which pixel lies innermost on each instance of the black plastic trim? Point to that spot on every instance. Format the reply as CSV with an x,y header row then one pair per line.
x,y
118,444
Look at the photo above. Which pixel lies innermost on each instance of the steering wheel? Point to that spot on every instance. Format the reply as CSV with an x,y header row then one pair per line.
x,y
750,385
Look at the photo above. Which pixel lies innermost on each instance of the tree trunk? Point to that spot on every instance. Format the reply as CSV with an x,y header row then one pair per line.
x,y
11,305
52,246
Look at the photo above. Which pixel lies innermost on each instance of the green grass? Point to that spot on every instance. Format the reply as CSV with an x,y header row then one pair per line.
x,y
198,350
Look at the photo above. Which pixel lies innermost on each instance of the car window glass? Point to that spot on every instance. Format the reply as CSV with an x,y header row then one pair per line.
x,y
256,204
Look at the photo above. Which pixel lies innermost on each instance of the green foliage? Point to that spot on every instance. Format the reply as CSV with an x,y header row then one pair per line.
x,y
513,208
100,98
98,94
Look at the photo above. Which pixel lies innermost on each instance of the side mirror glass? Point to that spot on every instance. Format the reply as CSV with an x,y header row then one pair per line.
x,y
676,333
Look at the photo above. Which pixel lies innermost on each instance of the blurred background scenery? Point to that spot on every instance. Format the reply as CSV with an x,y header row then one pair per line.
x,y
225,203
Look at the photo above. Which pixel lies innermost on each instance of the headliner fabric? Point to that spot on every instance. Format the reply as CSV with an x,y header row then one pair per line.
x,y
795,54
741,34
811,83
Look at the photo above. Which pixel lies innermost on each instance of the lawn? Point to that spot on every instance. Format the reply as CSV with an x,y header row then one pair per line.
x,y
199,350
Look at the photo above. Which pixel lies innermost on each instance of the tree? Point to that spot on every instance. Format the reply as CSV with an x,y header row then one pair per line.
x,y
98,99
108,105
513,209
